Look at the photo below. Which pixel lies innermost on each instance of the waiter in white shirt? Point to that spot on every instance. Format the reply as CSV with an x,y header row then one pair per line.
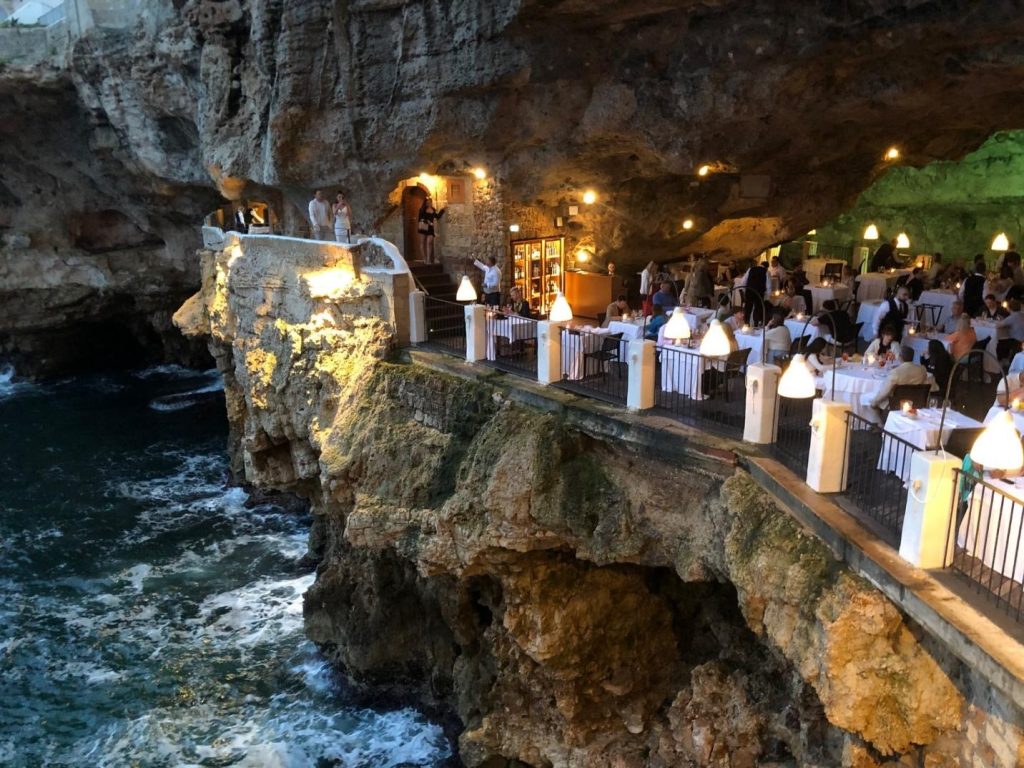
x,y
492,281
320,217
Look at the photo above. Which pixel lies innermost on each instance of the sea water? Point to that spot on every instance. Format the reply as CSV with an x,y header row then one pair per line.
x,y
149,614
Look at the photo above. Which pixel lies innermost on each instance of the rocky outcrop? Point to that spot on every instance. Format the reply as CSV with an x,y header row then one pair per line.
x,y
574,601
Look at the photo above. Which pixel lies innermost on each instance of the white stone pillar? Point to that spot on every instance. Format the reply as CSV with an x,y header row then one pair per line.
x,y
759,420
476,333
417,317
826,464
929,515
549,352
640,384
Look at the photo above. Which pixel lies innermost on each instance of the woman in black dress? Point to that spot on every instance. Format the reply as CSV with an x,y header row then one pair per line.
x,y
425,226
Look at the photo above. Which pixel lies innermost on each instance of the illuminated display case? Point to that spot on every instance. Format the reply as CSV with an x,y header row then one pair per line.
x,y
538,270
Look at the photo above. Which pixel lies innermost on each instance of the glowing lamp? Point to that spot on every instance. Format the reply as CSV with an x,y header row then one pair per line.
x,y
998,446
677,328
688,224
871,232
704,170
813,232
560,312
466,290
583,255
513,227
1001,242
589,197
902,241
892,154
797,383
715,342
480,173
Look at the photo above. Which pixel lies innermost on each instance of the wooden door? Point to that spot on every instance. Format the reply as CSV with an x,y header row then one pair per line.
x,y
412,200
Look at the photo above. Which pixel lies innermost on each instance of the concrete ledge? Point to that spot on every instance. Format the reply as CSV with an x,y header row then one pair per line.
x,y
970,635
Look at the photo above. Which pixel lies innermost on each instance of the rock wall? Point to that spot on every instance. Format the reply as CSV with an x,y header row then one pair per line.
x,y
573,601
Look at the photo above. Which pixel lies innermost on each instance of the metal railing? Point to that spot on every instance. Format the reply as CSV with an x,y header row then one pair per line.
x,y
511,343
986,539
793,433
699,390
876,473
446,325
595,364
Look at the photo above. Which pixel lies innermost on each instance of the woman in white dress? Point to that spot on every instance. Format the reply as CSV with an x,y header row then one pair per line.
x,y
342,219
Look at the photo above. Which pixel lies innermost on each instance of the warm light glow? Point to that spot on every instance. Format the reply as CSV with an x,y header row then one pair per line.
x,y
871,233
998,446
236,252
892,154
328,283
466,290
813,232
583,255
258,217
906,405
424,176
797,383
480,173
902,241
688,224
678,327
704,170
1001,242
715,342
589,197
513,227
560,312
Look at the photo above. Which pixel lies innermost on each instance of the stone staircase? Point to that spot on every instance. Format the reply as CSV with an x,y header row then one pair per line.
x,y
434,280
443,319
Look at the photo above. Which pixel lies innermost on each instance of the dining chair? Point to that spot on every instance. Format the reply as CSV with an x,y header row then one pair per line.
x,y
607,353
917,394
735,364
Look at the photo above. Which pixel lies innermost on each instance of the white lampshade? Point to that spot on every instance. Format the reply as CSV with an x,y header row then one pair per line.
x,y
466,290
1001,242
998,446
871,233
715,342
797,382
560,312
677,328
902,241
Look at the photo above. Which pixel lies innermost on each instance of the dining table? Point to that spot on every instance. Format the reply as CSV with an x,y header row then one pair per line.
x,y
875,285
986,330
866,315
798,326
990,530
683,368
815,268
857,385
939,297
512,329
919,342
920,430
577,343
822,293
696,318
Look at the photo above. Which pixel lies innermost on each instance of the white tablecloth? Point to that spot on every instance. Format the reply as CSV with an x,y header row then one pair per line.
x,y
696,317
986,329
922,433
820,294
576,345
1017,364
857,386
512,329
919,343
942,298
682,370
814,268
630,329
866,314
873,285
796,327
991,529
752,340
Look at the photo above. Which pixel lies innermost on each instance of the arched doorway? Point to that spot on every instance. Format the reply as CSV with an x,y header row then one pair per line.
x,y
412,200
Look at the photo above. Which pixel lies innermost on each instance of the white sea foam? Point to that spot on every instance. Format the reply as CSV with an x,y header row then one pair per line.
x,y
172,372
179,401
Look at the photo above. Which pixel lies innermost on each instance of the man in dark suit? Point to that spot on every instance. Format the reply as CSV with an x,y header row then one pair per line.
x,y
894,313
885,257
756,281
972,291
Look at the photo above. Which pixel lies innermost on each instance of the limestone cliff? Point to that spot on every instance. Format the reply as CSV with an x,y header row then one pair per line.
x,y
574,600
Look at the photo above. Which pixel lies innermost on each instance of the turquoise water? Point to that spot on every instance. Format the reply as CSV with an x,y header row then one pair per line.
x,y
149,614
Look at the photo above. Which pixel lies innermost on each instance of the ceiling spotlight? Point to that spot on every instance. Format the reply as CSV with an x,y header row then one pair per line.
x,y
892,154
704,170
589,197
480,173
688,224
513,227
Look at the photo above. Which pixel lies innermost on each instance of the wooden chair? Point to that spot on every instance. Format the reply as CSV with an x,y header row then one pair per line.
x,y
917,394
928,314
735,364
960,441
608,353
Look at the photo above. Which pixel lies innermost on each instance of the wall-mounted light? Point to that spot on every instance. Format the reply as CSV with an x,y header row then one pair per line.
x,y
812,232
480,173
687,224
892,154
704,170
466,290
902,241
871,232
1001,242
574,210
583,255
513,227
589,197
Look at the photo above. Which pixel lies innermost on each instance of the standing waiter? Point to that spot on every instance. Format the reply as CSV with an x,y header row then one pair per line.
x,y
492,280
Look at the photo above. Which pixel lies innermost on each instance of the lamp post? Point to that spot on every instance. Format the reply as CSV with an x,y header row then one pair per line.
x,y
466,290
794,382
998,446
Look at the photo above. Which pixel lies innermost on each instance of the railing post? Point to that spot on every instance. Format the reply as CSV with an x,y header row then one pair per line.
x,y
826,462
759,419
640,383
417,317
549,352
476,332
929,514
